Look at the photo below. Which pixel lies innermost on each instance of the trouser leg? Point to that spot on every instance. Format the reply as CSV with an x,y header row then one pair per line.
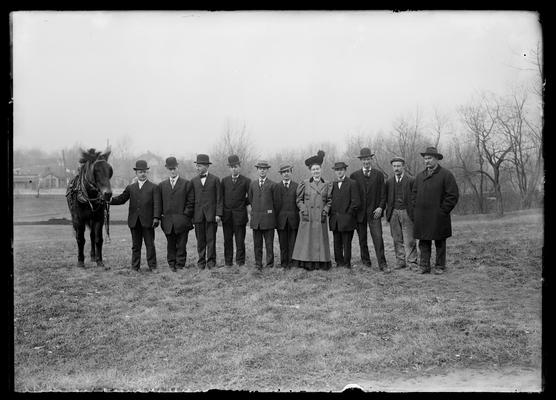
x,y
440,246
171,244
362,234
346,244
409,240
258,247
425,250
148,237
375,226
200,234
338,248
136,244
284,242
211,228
239,233
269,246
228,230
397,236
292,235
181,249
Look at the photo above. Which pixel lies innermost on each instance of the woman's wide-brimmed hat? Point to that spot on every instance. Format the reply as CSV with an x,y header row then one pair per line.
x,y
431,151
141,165
365,152
203,159
318,159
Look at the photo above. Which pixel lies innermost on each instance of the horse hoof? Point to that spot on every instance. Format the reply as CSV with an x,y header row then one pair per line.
x,y
80,264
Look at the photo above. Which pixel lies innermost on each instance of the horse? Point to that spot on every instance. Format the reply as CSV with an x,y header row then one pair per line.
x,y
88,196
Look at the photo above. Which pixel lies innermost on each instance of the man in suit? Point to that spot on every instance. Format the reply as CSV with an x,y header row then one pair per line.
x,y
343,214
207,211
399,213
372,194
287,214
263,215
435,194
235,189
178,201
144,215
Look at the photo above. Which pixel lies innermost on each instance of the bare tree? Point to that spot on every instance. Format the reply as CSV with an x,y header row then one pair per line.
x,y
481,120
234,140
407,141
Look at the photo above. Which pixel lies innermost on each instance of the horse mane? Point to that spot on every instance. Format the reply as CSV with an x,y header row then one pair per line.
x,y
92,155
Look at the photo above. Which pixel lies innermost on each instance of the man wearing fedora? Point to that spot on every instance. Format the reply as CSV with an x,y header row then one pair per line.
x,y
343,214
144,215
435,194
178,201
263,215
235,188
287,214
399,213
207,211
372,194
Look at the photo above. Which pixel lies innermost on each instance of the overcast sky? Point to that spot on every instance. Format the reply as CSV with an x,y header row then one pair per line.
x,y
173,81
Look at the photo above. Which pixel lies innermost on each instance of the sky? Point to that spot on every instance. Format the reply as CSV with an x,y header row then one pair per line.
x,y
172,82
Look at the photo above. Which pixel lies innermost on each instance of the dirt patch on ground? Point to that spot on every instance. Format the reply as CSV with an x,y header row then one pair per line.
x,y
468,380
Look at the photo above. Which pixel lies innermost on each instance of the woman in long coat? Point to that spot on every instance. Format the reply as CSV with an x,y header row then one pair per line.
x,y
312,247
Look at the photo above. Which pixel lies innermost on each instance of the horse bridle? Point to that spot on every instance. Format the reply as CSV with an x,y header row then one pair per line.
x,y
87,181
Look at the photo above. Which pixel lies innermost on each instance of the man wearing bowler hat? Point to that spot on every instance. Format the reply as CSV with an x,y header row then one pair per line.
x,y
178,201
343,214
263,215
287,214
372,194
399,213
144,215
435,194
235,188
207,211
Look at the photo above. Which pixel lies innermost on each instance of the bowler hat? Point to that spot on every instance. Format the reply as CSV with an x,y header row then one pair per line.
x,y
431,151
141,165
401,159
285,166
202,159
339,165
365,152
233,160
171,162
262,164
318,159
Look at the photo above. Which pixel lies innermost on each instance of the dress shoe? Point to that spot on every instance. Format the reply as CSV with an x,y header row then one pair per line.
x,y
400,266
425,270
154,270
438,271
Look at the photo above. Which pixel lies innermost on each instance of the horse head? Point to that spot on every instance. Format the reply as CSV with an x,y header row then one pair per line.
x,y
99,171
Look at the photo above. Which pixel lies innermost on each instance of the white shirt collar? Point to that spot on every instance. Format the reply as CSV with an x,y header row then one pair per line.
x,y
141,183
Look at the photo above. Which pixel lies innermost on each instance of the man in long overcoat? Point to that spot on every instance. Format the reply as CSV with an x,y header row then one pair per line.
x,y
235,188
287,214
263,215
207,211
143,216
178,201
343,214
372,193
435,194
399,213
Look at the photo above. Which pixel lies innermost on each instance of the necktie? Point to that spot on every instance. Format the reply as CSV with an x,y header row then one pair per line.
x,y
367,172
203,175
261,183
234,180
173,182
287,184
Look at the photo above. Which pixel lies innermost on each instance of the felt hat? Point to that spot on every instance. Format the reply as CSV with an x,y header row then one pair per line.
x,y
233,160
202,159
262,164
171,162
340,165
365,152
141,165
431,151
285,166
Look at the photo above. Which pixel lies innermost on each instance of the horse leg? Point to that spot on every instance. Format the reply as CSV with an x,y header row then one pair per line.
x,y
80,238
98,244
92,237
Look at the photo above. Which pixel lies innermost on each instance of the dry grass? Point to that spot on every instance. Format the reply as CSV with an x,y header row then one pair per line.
x,y
282,330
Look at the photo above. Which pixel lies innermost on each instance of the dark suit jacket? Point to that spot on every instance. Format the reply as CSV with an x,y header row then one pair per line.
x,y
235,200
285,201
372,192
263,211
144,203
177,205
345,203
407,187
208,199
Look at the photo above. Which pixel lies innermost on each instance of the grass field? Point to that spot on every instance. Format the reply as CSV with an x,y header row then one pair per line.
x,y
234,328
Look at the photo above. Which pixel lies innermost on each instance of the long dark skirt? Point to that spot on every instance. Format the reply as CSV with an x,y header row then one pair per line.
x,y
312,265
